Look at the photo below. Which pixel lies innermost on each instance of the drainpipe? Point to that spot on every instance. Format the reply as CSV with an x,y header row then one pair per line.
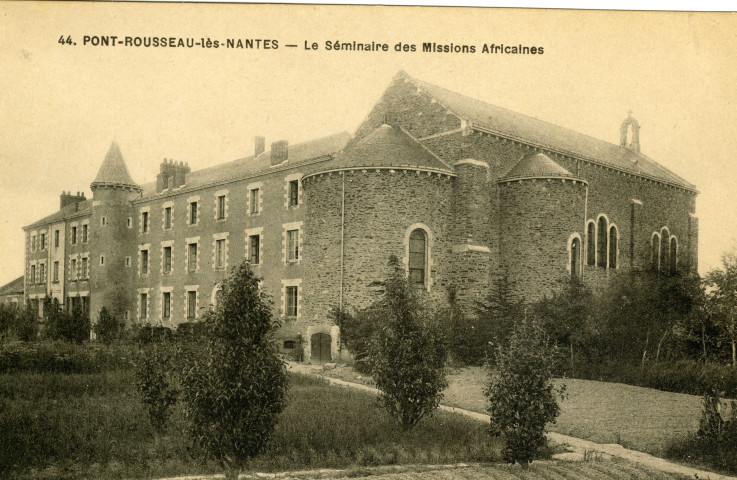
x,y
342,237
585,257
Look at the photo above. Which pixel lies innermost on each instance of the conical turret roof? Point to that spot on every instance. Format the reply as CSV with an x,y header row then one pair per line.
x,y
536,165
113,171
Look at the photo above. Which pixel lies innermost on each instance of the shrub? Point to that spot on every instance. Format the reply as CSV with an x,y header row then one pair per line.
x,y
155,383
356,332
522,399
147,334
17,323
108,328
236,386
62,357
407,353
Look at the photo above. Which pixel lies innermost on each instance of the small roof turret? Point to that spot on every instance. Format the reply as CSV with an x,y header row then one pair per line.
x,y
113,171
536,165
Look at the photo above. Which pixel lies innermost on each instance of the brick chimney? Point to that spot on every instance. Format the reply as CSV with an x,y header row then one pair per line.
x,y
171,175
68,198
259,145
279,152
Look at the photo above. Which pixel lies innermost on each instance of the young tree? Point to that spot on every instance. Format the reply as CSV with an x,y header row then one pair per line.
x,y
522,399
497,315
722,299
407,353
235,386
156,382
108,328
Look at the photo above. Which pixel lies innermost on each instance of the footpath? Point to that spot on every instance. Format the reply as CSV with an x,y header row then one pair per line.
x,y
578,448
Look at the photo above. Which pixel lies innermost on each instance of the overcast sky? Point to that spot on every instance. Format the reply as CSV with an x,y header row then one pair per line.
x,y
61,106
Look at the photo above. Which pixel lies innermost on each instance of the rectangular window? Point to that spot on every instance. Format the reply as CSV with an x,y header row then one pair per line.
x,y
191,304
144,262
73,268
253,246
33,274
294,193
166,305
293,245
192,257
193,213
56,238
102,260
220,253
167,218
291,299
129,224
254,200
84,267
42,273
144,305
127,261
103,221
56,272
42,241
144,222
73,236
84,233
221,207
33,243
167,259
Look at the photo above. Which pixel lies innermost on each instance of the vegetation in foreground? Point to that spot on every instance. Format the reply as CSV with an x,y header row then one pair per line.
x,y
95,426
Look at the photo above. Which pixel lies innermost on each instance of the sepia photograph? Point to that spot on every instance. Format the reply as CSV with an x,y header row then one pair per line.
x,y
332,241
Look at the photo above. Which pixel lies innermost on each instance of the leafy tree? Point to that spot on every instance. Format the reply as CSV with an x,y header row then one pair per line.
x,y
497,316
407,353
356,331
18,323
235,386
522,399
566,317
108,327
722,299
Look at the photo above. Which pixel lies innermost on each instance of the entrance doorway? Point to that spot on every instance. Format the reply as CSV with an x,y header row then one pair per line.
x,y
320,351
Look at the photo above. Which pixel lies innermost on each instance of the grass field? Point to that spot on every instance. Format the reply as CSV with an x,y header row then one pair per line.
x,y
635,417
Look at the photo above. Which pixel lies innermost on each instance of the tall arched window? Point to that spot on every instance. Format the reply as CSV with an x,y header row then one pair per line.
x,y
655,251
673,254
613,247
575,255
601,242
664,247
417,256
591,244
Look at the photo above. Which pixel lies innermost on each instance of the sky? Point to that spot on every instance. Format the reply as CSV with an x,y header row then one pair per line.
x,y
62,105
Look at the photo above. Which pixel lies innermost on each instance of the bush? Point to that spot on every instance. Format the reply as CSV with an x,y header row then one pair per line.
x,y
154,382
236,386
60,325
147,334
18,323
407,353
62,357
522,400
356,332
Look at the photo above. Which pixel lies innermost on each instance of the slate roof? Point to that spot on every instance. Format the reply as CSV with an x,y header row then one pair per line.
x,y
530,130
387,146
14,287
73,210
113,170
299,152
536,165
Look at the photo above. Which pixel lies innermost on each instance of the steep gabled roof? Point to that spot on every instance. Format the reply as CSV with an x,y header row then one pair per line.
x,y
74,210
113,171
526,129
298,153
536,165
14,287
387,146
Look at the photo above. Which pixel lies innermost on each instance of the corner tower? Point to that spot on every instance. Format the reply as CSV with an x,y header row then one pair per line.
x,y
113,239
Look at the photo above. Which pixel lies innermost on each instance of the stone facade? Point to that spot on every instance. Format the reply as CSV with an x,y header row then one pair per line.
x,y
461,192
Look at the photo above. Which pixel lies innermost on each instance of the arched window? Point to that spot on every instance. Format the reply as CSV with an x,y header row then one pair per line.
x,y
613,247
664,247
591,244
601,242
575,256
417,257
655,251
673,254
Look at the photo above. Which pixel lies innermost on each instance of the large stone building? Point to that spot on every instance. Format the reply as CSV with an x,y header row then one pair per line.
x,y
461,191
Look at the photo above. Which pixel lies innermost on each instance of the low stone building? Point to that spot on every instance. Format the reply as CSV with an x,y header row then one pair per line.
x,y
461,191
12,293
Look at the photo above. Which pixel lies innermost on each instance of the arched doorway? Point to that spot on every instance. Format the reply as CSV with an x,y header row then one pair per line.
x,y
320,351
